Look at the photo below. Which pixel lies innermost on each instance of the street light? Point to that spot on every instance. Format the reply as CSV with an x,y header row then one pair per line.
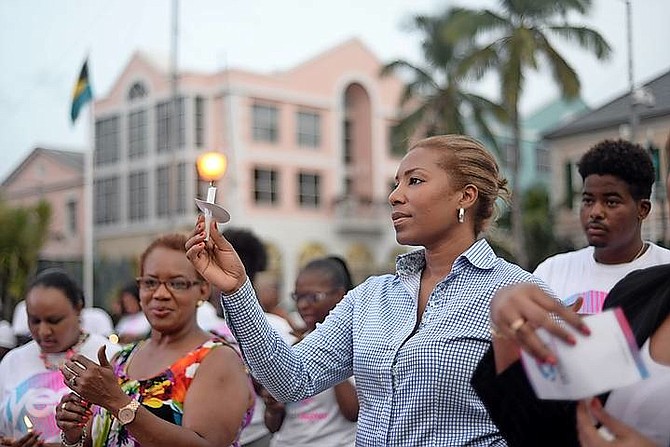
x,y
211,167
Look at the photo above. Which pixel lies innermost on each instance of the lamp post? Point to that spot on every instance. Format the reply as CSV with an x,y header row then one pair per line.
x,y
211,167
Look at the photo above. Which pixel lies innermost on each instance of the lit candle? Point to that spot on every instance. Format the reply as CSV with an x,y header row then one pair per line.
x,y
28,422
211,197
211,167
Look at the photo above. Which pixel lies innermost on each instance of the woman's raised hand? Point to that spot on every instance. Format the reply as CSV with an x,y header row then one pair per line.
x,y
216,260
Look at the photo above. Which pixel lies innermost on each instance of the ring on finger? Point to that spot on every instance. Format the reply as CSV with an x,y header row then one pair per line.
x,y
70,370
62,406
72,381
517,324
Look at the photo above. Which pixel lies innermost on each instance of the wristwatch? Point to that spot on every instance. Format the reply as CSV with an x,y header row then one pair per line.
x,y
127,413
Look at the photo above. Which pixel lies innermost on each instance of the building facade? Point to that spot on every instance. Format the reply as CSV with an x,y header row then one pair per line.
x,y
567,143
309,157
57,177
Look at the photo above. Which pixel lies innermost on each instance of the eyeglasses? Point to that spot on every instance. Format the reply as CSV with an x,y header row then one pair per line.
x,y
173,285
314,297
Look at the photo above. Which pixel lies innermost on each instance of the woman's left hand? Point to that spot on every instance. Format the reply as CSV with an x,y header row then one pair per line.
x,y
95,383
72,411
591,412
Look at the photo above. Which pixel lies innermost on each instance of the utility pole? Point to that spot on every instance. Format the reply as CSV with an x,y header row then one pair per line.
x,y
631,82
173,121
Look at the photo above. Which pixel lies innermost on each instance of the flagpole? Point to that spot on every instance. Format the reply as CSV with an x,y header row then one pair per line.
x,y
88,207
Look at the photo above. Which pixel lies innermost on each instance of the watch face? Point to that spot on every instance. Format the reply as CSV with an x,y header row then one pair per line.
x,y
126,415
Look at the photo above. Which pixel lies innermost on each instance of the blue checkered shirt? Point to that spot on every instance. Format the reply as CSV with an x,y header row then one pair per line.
x,y
413,388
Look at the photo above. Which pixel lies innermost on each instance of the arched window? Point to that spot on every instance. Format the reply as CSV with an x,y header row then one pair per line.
x,y
137,91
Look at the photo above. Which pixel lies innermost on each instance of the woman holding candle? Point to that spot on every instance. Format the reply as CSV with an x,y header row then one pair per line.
x,y
412,339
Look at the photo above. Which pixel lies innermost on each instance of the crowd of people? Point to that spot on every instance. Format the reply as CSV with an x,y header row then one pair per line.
x,y
428,355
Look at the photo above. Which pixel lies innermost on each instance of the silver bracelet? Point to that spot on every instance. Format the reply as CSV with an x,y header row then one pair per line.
x,y
79,443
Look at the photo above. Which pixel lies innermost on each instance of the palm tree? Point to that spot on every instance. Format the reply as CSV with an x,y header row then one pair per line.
x,y
515,39
435,94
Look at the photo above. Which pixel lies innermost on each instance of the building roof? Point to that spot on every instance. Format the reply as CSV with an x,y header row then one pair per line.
x,y
556,112
72,159
617,111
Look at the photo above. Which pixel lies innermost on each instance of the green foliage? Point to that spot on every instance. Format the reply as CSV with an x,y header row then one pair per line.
x,y
513,40
538,227
538,224
434,95
23,231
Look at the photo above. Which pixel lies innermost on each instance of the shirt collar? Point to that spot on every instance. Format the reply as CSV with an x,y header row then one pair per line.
x,y
480,255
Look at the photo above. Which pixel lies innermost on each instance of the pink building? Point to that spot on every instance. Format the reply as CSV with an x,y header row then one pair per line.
x,y
310,162
56,176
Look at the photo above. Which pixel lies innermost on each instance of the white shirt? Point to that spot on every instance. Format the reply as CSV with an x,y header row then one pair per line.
x,y
28,388
644,405
576,273
256,428
315,421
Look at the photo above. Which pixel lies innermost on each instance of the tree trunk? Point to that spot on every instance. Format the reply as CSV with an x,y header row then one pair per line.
x,y
521,253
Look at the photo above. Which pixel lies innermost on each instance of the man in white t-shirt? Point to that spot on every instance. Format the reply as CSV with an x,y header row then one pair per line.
x,y
618,176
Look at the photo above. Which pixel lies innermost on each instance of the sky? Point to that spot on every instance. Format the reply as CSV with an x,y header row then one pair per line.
x,y
43,44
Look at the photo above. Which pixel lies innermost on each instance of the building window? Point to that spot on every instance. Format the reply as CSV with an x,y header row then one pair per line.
x,y
266,184
163,191
397,141
542,161
164,124
569,187
309,129
137,91
265,121
348,142
137,134
199,130
138,195
106,200
71,216
107,140
181,188
308,190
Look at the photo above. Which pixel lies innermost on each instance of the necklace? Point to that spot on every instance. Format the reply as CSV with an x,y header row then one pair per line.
x,y
54,361
639,253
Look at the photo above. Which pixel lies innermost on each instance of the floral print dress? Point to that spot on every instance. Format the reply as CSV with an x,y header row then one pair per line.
x,y
163,395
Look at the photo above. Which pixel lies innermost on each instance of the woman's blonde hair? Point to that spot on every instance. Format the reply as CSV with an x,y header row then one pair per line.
x,y
468,162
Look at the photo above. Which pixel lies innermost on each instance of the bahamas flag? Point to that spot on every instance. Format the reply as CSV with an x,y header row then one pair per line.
x,y
82,93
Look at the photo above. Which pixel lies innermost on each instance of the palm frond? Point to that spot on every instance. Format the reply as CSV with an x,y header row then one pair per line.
x,y
564,75
587,38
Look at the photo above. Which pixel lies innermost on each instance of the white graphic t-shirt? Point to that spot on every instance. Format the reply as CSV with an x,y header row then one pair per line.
x,y
576,273
316,420
28,388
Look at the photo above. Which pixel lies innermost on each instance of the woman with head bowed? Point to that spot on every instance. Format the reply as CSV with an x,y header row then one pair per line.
x,y
182,386
411,339
31,384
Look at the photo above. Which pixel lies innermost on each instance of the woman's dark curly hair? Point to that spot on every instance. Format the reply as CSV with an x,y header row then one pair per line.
x,y
624,160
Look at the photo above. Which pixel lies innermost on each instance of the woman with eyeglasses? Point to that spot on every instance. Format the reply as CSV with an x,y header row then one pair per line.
x,y
411,339
180,387
329,418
